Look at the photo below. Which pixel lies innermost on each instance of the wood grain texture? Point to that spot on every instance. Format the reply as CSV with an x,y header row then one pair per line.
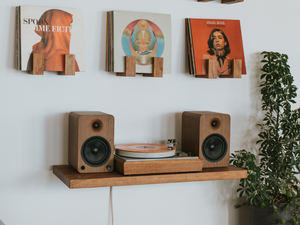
x,y
236,69
231,1
80,129
73,179
157,166
69,65
212,69
212,66
196,126
130,67
37,64
158,67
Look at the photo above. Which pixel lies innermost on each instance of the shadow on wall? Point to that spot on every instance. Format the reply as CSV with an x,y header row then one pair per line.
x,y
255,116
1,223
249,130
56,144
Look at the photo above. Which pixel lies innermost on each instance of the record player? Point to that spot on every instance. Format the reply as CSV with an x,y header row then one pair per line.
x,y
146,158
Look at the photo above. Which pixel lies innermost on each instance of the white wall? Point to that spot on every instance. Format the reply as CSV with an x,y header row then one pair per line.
x,y
33,116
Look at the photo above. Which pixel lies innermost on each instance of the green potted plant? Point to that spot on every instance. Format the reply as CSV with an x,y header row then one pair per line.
x,y
272,187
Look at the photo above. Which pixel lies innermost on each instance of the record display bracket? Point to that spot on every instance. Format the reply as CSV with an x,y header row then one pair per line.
x,y
223,1
38,64
130,67
212,69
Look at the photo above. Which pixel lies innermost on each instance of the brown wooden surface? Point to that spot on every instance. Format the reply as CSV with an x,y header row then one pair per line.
x,y
37,64
69,65
204,0
231,1
157,166
73,179
212,66
157,70
212,69
196,126
80,129
130,67
236,69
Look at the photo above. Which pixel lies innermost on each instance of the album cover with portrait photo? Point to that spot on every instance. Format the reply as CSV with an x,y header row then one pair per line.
x,y
214,39
139,34
53,32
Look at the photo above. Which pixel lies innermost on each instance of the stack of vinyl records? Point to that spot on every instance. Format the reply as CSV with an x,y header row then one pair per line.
x,y
138,34
53,32
213,39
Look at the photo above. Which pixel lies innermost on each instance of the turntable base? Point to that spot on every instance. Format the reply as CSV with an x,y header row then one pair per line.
x,y
130,166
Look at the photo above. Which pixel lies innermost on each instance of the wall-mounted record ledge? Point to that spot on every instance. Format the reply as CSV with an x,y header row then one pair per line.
x,y
73,179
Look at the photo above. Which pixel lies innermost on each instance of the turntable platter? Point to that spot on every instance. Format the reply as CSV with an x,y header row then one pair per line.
x,y
142,150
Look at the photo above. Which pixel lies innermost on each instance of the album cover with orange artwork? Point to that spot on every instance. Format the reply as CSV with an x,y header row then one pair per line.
x,y
214,39
53,32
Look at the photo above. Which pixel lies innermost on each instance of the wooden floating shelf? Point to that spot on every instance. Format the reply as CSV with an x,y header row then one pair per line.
x,y
73,179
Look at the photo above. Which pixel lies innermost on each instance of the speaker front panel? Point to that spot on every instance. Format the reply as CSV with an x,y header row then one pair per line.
x,y
93,145
207,135
214,139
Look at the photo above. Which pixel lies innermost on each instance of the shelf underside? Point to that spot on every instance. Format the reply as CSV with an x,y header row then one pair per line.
x,y
73,179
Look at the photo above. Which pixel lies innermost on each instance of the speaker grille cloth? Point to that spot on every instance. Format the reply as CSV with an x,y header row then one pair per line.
x,y
214,147
95,151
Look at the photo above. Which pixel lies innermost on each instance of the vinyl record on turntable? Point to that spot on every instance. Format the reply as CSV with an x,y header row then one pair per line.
x,y
142,150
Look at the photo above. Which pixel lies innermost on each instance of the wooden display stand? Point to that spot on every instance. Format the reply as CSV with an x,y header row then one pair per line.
x,y
212,66
38,64
157,69
223,1
69,65
130,67
236,69
231,1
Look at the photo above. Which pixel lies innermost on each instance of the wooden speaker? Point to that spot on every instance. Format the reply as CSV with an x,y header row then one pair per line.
x,y
207,135
91,142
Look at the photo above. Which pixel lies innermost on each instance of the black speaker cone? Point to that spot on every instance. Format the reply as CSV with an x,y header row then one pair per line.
x,y
95,151
214,147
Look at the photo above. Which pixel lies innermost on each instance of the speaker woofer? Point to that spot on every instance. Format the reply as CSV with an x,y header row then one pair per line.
x,y
95,151
214,148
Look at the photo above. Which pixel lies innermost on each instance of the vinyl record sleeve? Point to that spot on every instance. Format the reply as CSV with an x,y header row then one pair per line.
x,y
53,32
203,31
129,30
